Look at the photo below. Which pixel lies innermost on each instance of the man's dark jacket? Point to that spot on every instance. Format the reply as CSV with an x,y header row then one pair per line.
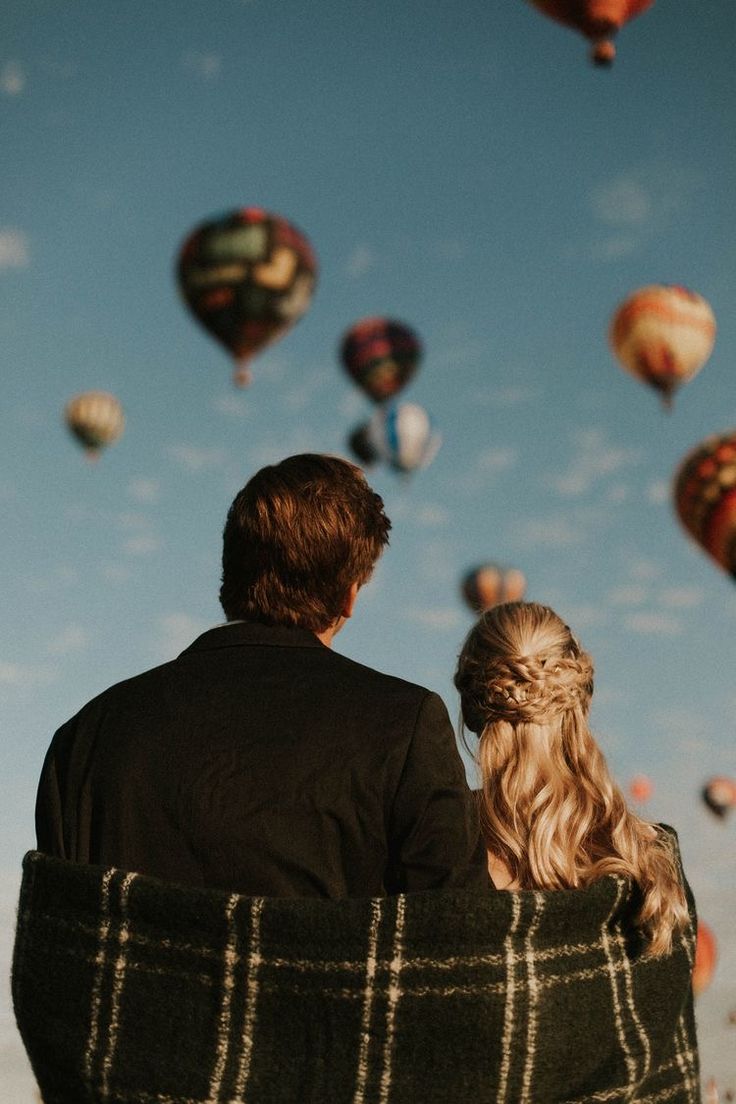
x,y
262,762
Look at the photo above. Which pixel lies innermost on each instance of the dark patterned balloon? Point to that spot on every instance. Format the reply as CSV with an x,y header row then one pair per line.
x,y
247,277
719,794
705,498
381,355
361,446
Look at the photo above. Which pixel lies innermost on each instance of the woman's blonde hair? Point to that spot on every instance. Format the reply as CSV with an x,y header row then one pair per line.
x,y
550,810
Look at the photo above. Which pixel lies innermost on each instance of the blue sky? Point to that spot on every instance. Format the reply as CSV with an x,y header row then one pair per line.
x,y
459,167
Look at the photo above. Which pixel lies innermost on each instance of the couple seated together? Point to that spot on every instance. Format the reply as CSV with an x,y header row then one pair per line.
x,y
261,875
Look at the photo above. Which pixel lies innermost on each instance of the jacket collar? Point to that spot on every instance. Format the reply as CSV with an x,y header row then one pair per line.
x,y
238,634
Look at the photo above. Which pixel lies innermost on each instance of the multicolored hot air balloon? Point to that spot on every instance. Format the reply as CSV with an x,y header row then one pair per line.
x,y
663,335
96,419
381,356
640,788
402,435
247,276
598,20
706,954
719,794
705,497
488,585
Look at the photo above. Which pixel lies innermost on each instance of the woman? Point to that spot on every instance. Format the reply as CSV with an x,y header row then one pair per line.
x,y
553,818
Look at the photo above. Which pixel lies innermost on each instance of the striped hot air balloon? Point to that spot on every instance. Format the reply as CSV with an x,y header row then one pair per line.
x,y
663,335
403,436
96,420
705,497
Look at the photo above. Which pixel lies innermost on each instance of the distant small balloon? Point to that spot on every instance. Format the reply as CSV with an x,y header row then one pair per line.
x,y
247,277
361,446
719,794
597,20
705,497
402,435
640,788
663,335
381,355
706,954
96,420
489,585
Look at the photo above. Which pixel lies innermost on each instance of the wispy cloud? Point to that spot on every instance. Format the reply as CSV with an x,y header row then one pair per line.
x,y
653,623
657,492
143,545
12,78
630,594
26,676
176,631
438,619
555,531
361,260
72,638
14,250
145,491
232,406
595,459
681,597
206,65
497,459
115,573
196,459
624,201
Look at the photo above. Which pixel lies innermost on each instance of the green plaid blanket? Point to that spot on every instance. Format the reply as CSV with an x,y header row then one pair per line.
x,y
129,989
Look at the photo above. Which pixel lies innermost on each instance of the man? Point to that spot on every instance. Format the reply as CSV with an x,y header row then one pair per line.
x,y
260,761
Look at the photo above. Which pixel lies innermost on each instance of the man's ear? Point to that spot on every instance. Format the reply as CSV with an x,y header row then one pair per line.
x,y
350,597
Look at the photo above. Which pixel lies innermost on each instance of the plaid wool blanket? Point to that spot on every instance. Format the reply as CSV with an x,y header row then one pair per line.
x,y
127,989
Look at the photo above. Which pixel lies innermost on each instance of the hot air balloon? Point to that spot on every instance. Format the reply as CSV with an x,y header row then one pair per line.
x,y
705,497
381,355
640,788
96,419
402,435
706,953
488,585
663,335
247,276
598,20
719,794
361,446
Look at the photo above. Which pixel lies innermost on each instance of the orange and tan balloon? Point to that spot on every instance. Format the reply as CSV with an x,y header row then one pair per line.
x,y
489,584
598,20
95,419
663,334
705,497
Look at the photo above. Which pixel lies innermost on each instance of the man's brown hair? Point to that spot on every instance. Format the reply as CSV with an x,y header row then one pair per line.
x,y
296,537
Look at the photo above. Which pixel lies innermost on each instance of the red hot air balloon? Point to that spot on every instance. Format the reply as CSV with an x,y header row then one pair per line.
x,y
663,335
488,585
597,20
381,356
705,497
95,419
247,277
706,953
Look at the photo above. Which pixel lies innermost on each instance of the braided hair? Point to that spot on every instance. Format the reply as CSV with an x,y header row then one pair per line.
x,y
551,811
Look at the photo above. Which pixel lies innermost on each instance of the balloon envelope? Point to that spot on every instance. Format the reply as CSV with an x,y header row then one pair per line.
x,y
719,794
663,335
488,585
705,497
706,953
403,436
598,20
381,356
247,277
95,419
361,446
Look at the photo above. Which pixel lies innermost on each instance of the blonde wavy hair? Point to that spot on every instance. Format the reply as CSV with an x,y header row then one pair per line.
x,y
550,810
